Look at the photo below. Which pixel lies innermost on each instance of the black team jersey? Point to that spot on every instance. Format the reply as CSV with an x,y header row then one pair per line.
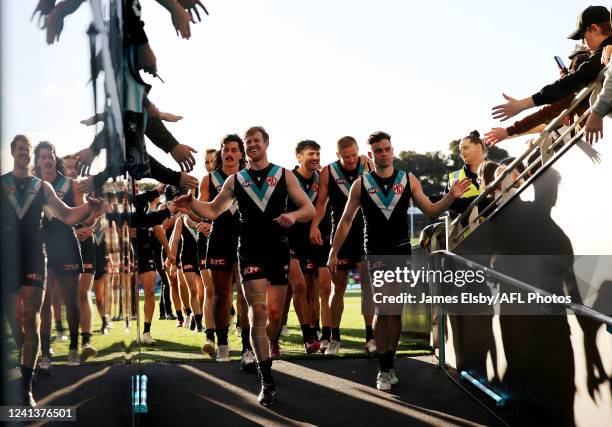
x,y
339,184
21,205
228,222
299,233
385,203
56,232
262,197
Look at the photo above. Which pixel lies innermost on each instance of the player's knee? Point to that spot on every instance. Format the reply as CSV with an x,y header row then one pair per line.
x,y
258,311
299,288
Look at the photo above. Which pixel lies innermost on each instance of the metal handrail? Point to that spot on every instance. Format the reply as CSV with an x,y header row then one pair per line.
x,y
577,308
539,142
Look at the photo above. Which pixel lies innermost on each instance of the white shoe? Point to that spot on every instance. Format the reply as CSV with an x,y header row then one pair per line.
x,y
334,347
147,339
45,365
393,378
73,358
223,353
247,361
370,347
383,381
208,348
238,331
87,352
285,330
324,346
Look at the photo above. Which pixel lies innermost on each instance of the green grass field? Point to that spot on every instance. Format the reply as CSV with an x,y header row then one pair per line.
x,y
182,345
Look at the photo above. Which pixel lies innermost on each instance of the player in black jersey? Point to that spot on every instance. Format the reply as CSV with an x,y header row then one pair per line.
x,y
384,197
261,192
222,251
302,267
188,273
22,200
64,263
202,227
334,185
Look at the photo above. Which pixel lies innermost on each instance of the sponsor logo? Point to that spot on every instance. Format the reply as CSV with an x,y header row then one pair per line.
x,y
187,266
251,269
88,265
216,261
34,276
344,261
60,194
248,183
310,265
271,181
71,267
372,190
398,188
340,181
218,188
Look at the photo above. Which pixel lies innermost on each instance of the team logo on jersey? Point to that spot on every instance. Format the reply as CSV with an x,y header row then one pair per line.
x,y
398,188
261,196
218,188
343,183
315,187
20,202
385,203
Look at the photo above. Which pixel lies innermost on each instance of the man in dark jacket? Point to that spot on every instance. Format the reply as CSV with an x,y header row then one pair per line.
x,y
594,29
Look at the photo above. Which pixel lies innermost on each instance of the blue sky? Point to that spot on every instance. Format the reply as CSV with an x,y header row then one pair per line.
x,y
427,73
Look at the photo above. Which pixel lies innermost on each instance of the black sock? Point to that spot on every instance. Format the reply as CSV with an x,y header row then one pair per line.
x,y
59,328
179,315
238,320
383,364
277,338
391,358
265,368
317,326
210,334
188,312
325,333
198,320
221,335
45,344
246,339
335,334
85,337
104,322
369,333
147,327
74,341
26,378
232,311
306,332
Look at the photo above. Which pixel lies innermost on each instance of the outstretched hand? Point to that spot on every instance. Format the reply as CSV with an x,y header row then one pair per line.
x,y
180,20
495,135
459,188
192,7
507,110
182,154
97,204
84,159
593,129
44,7
183,203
